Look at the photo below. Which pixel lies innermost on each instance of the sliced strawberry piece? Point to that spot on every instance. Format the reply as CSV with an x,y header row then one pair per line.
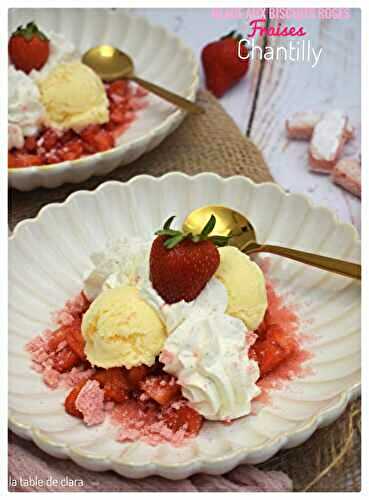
x,y
30,144
19,160
103,140
57,338
116,387
117,116
137,374
70,400
161,388
88,133
65,360
52,157
101,376
49,139
273,350
68,136
183,417
75,339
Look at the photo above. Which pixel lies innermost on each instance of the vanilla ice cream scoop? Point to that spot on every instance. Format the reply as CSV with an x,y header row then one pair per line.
x,y
245,284
121,329
74,97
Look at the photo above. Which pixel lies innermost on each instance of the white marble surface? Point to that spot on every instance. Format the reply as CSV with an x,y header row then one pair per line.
x,y
284,88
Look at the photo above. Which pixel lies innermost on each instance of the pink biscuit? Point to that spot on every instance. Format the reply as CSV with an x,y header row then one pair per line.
x,y
90,402
329,136
347,174
301,125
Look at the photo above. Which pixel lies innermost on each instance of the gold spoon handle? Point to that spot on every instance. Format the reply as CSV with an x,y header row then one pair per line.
x,y
179,101
337,266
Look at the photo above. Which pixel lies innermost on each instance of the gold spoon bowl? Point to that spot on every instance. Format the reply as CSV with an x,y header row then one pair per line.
x,y
243,236
112,64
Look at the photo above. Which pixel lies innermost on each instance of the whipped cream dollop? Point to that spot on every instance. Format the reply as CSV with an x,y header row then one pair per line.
x,y
25,111
206,349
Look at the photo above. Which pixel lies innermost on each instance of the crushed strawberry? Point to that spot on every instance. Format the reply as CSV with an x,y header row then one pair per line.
x,y
183,417
30,144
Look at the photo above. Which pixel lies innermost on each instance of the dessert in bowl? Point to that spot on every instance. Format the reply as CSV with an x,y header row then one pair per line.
x,y
124,135
177,416
166,334
59,109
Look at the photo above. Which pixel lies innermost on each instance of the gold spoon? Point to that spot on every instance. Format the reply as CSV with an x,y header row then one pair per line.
x,y
244,238
113,64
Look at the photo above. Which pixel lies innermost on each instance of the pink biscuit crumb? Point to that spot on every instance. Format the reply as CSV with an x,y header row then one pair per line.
x,y
51,378
347,174
90,402
76,375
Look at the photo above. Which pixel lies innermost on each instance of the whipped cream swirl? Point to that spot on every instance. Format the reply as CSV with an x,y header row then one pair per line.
x,y
208,355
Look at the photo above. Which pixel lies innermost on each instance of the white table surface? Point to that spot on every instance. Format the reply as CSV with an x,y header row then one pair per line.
x,y
276,89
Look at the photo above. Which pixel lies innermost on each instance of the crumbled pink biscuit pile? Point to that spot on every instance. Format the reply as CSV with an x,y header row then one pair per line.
x,y
347,174
43,357
138,422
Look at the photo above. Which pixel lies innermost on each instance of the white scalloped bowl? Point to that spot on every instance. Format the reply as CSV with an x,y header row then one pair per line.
x,y
49,254
159,56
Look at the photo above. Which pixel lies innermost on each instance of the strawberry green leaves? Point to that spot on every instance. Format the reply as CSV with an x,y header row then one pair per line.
x,y
175,236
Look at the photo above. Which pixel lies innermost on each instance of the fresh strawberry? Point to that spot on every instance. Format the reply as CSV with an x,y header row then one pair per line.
x,y
56,339
181,264
222,66
70,400
184,417
49,139
28,48
161,388
30,144
117,115
96,139
72,150
272,350
116,385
